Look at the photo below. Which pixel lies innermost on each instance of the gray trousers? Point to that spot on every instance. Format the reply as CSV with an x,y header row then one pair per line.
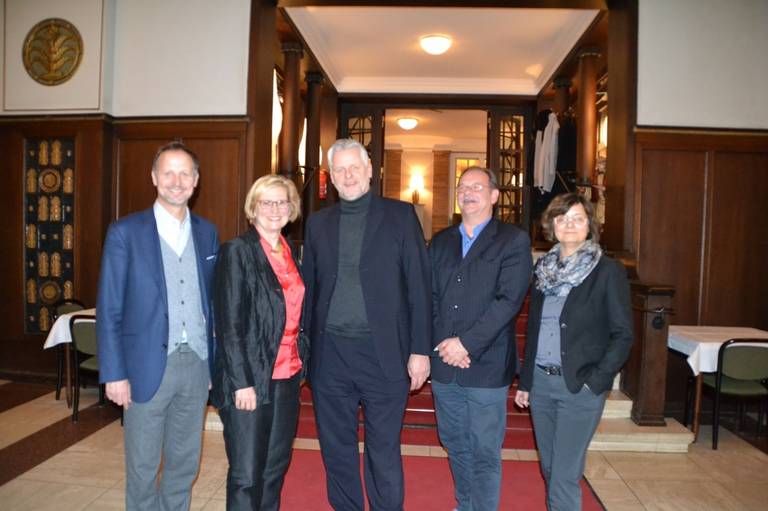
x,y
564,424
168,426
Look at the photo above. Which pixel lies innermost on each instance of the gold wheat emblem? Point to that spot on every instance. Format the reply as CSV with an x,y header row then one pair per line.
x,y
52,51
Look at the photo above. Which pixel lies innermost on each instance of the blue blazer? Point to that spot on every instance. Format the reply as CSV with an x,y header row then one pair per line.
x,y
477,298
132,305
394,274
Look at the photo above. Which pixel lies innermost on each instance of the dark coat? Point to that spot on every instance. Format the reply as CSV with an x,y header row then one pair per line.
x,y
595,330
132,306
477,298
249,309
394,275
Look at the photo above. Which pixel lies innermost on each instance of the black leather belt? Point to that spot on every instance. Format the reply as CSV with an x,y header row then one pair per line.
x,y
551,370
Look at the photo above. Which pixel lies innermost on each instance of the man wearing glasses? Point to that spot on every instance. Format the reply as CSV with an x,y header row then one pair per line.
x,y
480,274
367,308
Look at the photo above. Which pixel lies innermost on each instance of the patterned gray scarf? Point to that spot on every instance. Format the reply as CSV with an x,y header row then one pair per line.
x,y
557,278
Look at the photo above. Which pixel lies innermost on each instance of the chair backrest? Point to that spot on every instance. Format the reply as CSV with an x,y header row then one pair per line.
x,y
83,329
67,306
744,362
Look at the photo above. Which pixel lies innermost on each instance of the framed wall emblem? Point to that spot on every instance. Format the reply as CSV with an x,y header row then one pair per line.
x,y
52,51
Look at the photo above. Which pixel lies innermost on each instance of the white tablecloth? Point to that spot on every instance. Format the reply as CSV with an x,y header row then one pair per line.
x,y
702,343
60,330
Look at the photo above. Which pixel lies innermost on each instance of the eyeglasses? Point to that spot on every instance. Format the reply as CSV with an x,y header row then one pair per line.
x,y
269,204
476,187
578,220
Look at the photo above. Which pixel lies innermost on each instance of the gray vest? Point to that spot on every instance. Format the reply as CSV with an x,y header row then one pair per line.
x,y
186,322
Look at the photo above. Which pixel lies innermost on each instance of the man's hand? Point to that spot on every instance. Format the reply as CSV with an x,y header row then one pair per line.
x,y
521,399
418,370
245,399
453,353
119,392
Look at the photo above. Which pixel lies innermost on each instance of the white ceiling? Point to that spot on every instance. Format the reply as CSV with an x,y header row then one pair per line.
x,y
456,130
495,51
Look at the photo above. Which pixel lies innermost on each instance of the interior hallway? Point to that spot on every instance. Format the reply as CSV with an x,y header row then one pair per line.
x,y
88,475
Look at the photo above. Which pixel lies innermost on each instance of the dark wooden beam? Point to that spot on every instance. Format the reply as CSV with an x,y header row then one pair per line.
x,y
261,63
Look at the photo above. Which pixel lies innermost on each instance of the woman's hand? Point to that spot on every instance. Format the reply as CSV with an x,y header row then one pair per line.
x,y
521,399
245,399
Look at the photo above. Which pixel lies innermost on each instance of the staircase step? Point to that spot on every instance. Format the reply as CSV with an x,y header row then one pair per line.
x,y
617,406
625,435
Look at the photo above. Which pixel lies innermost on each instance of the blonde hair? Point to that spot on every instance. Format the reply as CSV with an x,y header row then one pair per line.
x,y
270,181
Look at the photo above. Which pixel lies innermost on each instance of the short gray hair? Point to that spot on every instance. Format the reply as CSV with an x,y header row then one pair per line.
x,y
345,144
488,172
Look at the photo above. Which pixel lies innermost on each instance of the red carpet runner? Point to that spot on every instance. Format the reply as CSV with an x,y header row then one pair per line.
x,y
428,485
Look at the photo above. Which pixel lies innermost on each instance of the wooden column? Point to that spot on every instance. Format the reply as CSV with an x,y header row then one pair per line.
x,y
289,145
562,93
586,133
312,157
261,63
645,373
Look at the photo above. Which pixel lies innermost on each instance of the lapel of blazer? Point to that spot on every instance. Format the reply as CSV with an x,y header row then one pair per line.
x,y
332,235
197,236
154,259
483,241
375,216
454,247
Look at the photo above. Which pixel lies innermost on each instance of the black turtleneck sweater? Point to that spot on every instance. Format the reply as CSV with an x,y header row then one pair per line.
x,y
346,313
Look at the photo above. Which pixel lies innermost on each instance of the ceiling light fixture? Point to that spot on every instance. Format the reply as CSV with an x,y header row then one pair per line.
x,y
435,44
407,123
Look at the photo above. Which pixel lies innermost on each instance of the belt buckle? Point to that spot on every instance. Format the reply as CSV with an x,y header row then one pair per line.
x,y
551,370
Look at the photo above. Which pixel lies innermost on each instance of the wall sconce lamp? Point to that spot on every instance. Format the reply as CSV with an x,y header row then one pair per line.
x,y
417,186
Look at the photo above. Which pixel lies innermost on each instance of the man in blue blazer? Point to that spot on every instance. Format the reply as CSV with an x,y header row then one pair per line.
x,y
480,275
154,327
367,308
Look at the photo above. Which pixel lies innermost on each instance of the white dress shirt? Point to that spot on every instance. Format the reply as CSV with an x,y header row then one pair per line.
x,y
174,232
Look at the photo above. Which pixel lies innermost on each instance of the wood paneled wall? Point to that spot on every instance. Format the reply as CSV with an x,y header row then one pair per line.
x,y
19,352
220,146
113,165
701,226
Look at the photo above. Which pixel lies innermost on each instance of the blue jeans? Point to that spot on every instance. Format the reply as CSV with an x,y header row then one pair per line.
x,y
471,422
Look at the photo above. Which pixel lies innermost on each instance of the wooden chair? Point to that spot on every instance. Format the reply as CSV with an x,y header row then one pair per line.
x,y
59,308
84,355
742,372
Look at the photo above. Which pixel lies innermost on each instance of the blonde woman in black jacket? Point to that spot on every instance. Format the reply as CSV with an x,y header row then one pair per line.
x,y
261,354
579,336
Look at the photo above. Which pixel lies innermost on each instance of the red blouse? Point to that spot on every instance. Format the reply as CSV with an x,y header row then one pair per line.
x,y
288,362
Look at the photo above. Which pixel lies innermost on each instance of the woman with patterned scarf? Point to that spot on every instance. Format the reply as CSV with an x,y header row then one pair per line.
x,y
579,335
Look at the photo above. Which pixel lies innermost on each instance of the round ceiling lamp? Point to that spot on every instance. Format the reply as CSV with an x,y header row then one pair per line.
x,y
435,44
407,123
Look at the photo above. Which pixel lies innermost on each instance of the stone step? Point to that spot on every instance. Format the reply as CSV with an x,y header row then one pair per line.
x,y
625,435
617,406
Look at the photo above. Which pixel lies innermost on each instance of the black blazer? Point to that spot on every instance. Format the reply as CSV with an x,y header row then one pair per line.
x,y
394,275
477,298
595,329
249,312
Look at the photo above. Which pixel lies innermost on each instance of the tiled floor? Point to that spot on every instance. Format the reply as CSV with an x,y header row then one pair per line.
x,y
89,475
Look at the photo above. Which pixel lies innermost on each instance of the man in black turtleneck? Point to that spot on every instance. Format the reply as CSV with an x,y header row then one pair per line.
x,y
368,313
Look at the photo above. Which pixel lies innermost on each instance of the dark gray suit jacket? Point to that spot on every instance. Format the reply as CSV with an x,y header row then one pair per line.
x,y
595,330
394,274
477,298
